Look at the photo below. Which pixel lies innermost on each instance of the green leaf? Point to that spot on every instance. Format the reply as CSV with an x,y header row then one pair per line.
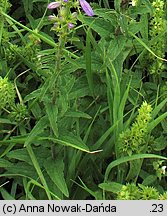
x,y
73,141
160,143
28,6
144,30
79,93
116,46
6,195
149,180
4,163
158,108
113,187
140,10
107,14
55,169
145,46
127,159
20,154
117,4
22,168
89,73
36,110
134,169
68,140
33,181
6,121
96,194
32,95
77,114
101,26
38,170
156,121
52,112
37,129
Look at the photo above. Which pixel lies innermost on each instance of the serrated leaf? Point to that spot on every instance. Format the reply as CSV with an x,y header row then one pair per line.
x,y
55,169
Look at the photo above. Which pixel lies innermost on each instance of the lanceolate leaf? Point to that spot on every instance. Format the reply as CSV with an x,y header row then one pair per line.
x,y
69,140
55,169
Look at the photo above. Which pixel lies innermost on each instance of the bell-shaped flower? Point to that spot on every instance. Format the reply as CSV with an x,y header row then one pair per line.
x,y
86,7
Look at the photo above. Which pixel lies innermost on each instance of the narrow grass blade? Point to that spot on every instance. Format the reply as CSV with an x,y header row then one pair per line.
x,y
127,159
32,180
38,169
156,121
6,195
158,108
146,47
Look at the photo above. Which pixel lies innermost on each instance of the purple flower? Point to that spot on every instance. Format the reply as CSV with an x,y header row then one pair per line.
x,y
65,0
71,25
54,5
86,7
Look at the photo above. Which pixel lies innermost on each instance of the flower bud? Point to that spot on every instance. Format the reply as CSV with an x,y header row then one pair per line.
x,y
51,17
53,5
71,25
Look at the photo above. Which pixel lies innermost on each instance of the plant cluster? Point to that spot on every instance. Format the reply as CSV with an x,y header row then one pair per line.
x,y
135,140
157,36
140,192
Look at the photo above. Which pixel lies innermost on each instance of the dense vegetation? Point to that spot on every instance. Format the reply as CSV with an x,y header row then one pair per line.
x,y
83,101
